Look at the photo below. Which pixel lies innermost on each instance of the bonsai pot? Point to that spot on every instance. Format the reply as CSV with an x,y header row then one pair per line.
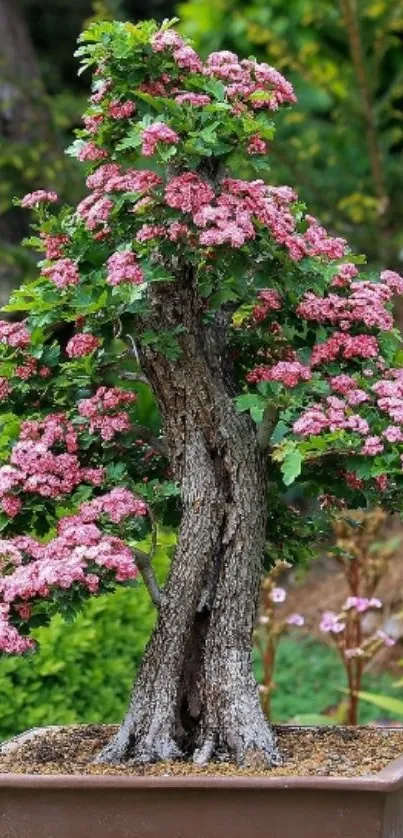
x,y
110,806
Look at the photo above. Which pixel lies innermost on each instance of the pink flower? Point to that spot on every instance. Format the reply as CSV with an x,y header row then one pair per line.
x,y
150,231
82,344
121,110
5,389
289,373
188,192
166,39
91,152
331,622
123,267
196,99
33,199
373,446
157,133
11,505
54,245
393,433
278,595
295,620
188,59
256,145
393,280
361,604
15,335
269,300
386,639
63,273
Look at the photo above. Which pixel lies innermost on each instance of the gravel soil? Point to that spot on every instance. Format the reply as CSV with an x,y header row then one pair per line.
x,y
321,752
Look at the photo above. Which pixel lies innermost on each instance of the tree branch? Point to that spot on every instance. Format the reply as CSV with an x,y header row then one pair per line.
x,y
143,562
265,428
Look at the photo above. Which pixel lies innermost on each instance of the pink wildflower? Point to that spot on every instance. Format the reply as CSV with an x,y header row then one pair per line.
x,y
91,152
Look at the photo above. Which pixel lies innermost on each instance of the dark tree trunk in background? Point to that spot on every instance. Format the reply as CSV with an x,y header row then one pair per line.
x,y
195,695
24,119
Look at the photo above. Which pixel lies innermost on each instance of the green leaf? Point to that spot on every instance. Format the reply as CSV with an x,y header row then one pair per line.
x,y
385,702
291,466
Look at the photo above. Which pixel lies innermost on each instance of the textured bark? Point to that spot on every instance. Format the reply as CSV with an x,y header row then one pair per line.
x,y
195,694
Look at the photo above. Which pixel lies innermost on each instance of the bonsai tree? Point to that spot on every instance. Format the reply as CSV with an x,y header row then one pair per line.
x,y
270,359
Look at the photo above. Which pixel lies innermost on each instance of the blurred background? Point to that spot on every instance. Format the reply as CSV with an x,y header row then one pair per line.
x,y
340,147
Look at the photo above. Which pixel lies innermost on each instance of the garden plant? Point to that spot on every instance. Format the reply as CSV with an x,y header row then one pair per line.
x,y
271,356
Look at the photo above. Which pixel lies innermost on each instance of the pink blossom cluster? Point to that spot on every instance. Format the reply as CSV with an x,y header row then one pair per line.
x,y
79,555
121,110
366,304
35,468
196,99
41,196
332,416
92,122
104,411
241,203
332,622
63,273
361,604
15,335
95,210
5,389
256,145
91,152
259,85
269,300
345,272
345,346
54,245
393,280
188,192
82,344
123,267
185,57
101,90
118,504
159,132
289,373
30,368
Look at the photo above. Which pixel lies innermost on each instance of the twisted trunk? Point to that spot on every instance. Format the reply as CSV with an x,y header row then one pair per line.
x,y
195,695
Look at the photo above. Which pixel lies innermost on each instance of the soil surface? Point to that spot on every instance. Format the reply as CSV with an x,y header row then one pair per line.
x,y
325,752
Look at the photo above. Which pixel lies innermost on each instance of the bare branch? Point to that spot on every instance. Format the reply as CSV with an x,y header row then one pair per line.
x,y
266,426
133,351
143,561
133,376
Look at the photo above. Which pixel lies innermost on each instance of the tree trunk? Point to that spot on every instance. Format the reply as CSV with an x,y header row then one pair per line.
x,y
195,695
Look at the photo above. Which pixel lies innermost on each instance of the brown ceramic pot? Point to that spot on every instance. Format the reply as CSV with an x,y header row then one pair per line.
x,y
44,806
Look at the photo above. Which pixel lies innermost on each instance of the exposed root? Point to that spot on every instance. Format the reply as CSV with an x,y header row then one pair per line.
x,y
154,745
